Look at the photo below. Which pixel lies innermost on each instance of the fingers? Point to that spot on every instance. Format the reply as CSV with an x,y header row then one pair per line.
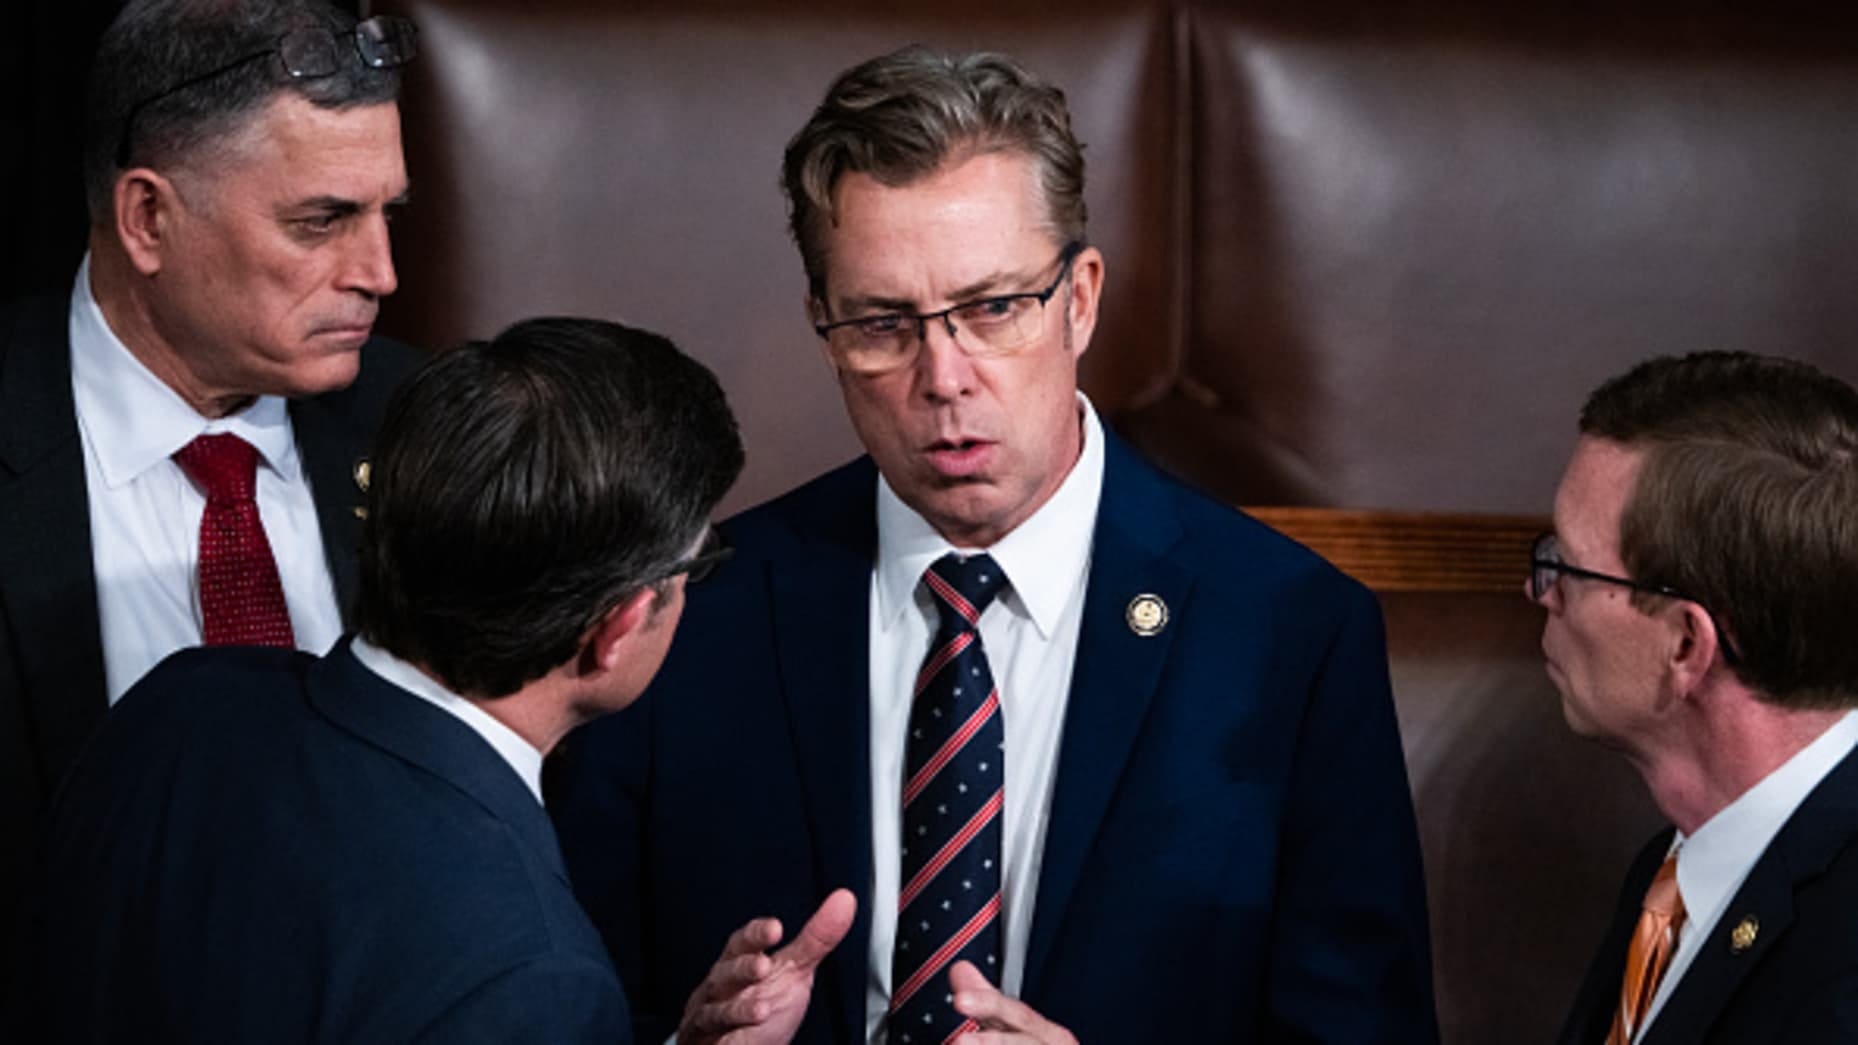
x,y
753,938
822,932
720,1017
1002,1019
965,976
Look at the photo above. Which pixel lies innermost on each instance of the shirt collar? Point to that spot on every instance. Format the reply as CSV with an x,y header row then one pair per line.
x,y
1714,862
1045,557
135,421
524,759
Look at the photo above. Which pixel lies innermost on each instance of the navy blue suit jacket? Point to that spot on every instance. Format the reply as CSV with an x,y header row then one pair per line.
x,y
264,846
51,647
1231,853
1796,981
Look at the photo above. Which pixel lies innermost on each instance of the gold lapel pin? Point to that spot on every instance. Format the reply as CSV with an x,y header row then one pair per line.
x,y
1743,936
1146,615
361,473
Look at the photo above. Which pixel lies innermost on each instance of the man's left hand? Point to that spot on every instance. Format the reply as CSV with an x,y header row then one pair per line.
x,y
1003,1020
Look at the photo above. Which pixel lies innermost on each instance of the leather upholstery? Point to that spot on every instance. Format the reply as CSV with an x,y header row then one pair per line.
x,y
1367,255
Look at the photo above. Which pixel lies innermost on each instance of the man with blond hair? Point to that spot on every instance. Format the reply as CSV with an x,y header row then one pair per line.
x,y
1096,755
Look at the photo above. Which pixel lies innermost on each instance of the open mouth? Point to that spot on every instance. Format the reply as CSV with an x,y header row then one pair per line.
x,y
960,457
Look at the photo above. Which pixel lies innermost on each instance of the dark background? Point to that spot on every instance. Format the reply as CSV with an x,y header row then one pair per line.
x,y
45,56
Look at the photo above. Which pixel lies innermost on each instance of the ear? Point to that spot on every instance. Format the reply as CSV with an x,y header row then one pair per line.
x,y
605,647
1697,645
1086,288
142,204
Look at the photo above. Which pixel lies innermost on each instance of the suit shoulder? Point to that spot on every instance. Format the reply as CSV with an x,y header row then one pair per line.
x,y
839,502
198,684
385,365
1225,542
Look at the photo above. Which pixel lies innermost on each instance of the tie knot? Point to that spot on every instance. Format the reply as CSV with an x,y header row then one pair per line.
x,y
223,465
963,587
1662,898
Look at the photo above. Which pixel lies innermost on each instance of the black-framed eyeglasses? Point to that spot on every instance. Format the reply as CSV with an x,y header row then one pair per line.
x,y
710,554
991,326
1546,563
310,53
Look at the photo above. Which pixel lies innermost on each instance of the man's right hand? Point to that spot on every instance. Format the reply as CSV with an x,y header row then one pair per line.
x,y
751,997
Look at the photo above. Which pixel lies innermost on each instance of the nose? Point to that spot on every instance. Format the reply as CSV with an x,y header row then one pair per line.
x,y
369,267
945,369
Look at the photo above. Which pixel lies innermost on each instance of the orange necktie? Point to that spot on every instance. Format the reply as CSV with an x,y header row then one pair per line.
x,y
1653,942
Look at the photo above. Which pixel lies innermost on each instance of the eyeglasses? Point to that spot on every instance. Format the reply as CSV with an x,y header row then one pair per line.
x,y
710,554
1545,563
311,53
985,327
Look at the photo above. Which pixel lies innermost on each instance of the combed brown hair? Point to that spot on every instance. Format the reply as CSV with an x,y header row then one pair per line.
x,y
1748,503
523,487
900,116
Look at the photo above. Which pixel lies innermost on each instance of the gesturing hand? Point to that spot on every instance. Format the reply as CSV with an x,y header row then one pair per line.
x,y
1003,1020
751,997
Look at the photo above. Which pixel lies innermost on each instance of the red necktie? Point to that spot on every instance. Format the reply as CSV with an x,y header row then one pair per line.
x,y
241,599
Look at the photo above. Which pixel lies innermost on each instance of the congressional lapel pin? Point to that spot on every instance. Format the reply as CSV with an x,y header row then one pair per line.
x,y
1742,937
1147,615
361,473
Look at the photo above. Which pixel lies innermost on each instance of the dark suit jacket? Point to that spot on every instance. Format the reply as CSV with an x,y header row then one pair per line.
x,y
265,846
51,656
1798,980
1231,853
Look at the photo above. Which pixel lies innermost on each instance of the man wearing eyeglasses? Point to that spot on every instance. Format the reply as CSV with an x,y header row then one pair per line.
x,y
1096,755
1701,587
181,439
261,845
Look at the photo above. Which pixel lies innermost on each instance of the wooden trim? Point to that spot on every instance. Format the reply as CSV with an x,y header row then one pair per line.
x,y
1415,551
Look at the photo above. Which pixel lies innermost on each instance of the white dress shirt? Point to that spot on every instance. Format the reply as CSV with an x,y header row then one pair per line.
x,y
1713,863
512,748
1030,634
145,513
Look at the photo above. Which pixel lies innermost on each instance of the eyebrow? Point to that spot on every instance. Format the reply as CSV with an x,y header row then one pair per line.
x,y
339,204
985,287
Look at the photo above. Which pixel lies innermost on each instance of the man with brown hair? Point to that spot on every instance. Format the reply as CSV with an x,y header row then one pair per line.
x,y
1701,587
1096,755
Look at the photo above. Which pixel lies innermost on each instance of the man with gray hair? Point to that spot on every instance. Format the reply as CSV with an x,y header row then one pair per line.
x,y
1094,754
181,438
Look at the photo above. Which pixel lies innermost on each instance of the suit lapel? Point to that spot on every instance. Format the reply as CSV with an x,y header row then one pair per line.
x,y
1805,846
47,579
820,601
332,447
1113,680
370,707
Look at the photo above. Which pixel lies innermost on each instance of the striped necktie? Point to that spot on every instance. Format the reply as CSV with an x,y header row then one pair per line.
x,y
949,905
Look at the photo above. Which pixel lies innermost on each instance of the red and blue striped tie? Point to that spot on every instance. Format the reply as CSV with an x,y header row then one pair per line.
x,y
954,763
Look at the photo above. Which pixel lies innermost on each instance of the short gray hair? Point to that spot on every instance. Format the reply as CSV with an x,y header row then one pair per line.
x,y
154,44
899,116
